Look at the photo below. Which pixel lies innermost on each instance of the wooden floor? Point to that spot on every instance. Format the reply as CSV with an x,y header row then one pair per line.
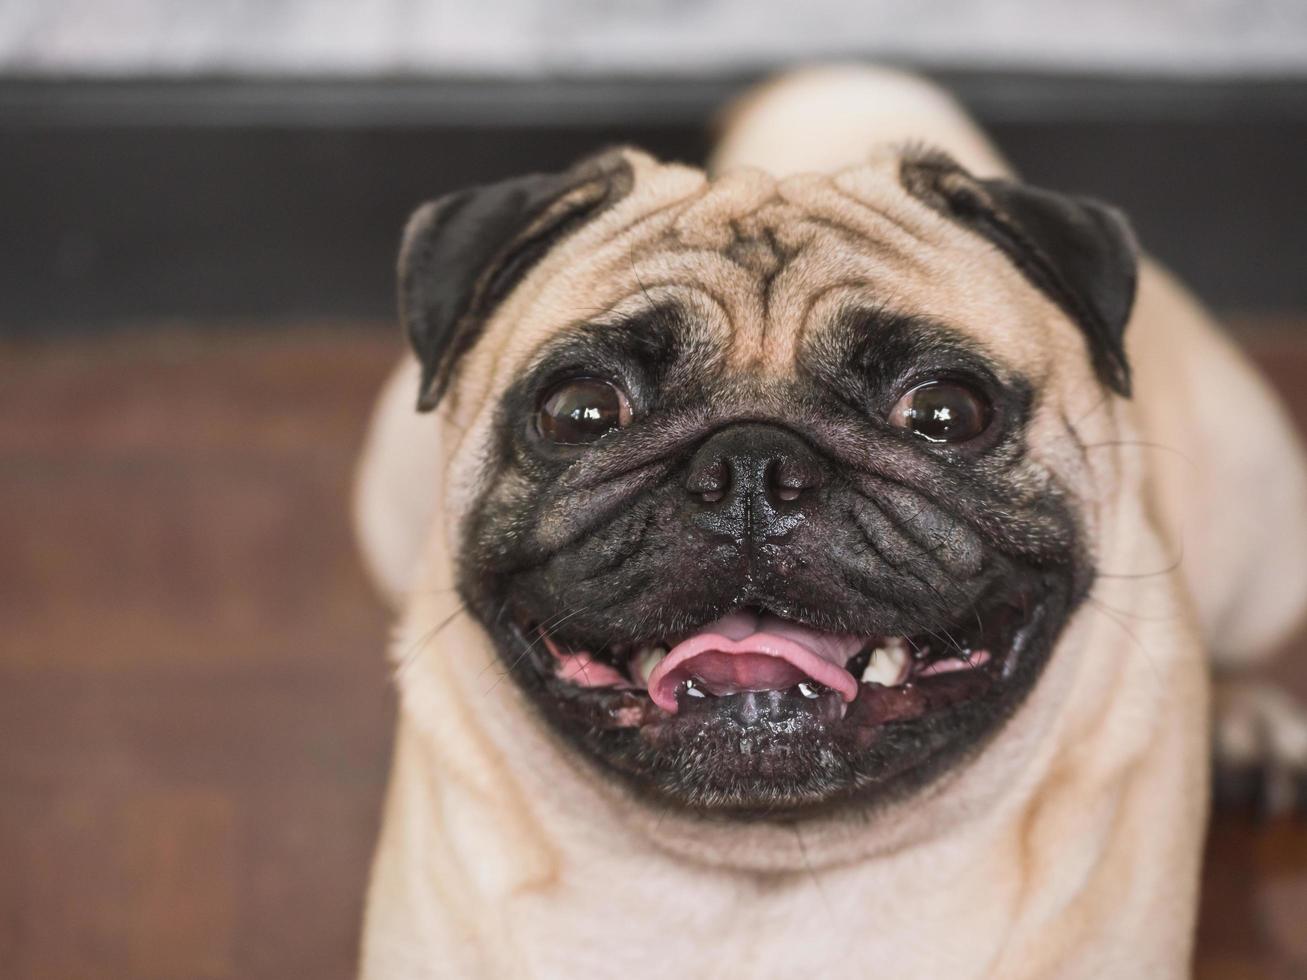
x,y
194,707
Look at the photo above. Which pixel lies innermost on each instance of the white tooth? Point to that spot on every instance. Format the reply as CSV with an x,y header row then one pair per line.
x,y
888,663
646,659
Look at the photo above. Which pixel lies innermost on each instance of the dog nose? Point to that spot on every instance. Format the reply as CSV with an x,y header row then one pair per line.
x,y
745,476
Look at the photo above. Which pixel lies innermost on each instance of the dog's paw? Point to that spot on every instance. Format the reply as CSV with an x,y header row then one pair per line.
x,y
1260,734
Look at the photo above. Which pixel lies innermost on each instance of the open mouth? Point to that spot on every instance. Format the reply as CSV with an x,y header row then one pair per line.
x,y
757,708
754,652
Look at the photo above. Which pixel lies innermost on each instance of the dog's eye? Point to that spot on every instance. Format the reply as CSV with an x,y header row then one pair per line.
x,y
581,410
941,411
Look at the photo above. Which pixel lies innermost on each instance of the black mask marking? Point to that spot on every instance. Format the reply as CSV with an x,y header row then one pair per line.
x,y
638,536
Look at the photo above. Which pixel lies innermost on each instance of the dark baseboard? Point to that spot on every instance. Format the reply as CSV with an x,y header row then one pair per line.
x,y
219,199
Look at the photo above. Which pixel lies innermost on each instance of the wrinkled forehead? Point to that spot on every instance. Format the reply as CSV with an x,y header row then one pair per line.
x,y
758,264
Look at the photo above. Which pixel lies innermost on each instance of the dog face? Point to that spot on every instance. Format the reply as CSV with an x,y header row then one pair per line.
x,y
772,494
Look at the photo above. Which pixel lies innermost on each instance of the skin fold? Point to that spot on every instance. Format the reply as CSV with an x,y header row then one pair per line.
x,y
1068,843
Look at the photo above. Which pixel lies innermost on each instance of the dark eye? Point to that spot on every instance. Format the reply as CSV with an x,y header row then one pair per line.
x,y
581,410
941,411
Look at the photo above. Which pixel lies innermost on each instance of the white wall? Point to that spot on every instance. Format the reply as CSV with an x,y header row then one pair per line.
x,y
527,37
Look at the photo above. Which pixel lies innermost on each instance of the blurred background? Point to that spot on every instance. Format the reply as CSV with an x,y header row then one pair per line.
x,y
200,202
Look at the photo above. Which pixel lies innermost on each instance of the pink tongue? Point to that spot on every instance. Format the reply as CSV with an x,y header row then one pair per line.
x,y
745,651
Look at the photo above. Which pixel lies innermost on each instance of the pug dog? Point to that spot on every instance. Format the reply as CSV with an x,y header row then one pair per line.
x,y
814,566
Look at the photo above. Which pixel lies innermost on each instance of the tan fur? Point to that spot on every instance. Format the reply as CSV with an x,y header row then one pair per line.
x,y
1069,848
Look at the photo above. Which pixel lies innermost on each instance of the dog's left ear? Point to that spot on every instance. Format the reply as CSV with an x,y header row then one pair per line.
x,y
463,254
1080,253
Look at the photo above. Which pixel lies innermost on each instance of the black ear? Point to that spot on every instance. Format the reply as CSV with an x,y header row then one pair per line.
x,y
464,253
1080,253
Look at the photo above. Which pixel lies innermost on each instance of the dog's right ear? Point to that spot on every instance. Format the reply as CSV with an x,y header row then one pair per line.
x,y
464,253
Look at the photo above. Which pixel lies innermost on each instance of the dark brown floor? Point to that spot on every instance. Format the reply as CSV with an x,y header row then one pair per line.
x,y
194,707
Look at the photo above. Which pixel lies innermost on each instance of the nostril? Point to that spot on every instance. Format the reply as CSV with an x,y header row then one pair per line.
x,y
709,482
789,478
